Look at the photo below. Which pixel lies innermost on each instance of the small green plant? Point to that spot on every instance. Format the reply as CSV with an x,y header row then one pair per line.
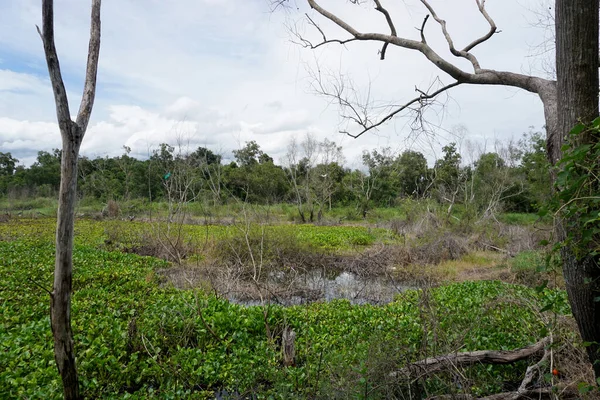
x,y
527,261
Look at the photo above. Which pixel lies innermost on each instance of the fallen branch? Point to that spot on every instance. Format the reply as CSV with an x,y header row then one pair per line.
x,y
435,364
538,394
498,249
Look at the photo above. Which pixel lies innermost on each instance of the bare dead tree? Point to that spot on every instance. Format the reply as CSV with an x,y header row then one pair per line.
x,y
125,163
72,133
180,182
301,158
357,110
576,89
330,155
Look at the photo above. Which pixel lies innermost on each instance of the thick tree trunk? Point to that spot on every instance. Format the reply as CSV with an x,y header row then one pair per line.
x,y
577,90
60,302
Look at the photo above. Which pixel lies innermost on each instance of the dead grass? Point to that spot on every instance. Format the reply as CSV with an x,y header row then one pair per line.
x,y
475,266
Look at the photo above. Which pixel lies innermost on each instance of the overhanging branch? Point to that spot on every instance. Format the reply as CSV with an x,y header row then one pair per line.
x,y
421,101
479,76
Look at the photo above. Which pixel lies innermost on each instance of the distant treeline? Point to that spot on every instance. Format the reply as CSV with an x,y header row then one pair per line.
x,y
514,177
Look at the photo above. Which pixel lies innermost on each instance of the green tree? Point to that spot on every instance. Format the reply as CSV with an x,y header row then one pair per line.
x,y
44,173
411,167
202,156
8,164
250,154
448,177
536,169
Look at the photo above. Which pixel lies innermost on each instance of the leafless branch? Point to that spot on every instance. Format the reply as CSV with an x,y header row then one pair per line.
x,y
422,30
304,42
362,110
41,287
89,89
479,76
422,100
390,23
58,86
491,32
464,53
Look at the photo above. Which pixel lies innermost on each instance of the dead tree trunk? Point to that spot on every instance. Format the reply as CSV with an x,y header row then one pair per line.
x,y
60,302
72,133
577,82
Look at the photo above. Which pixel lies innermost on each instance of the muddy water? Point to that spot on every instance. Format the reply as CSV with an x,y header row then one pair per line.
x,y
318,285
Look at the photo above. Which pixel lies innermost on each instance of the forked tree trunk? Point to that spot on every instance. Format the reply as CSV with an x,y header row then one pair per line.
x,y
72,133
577,88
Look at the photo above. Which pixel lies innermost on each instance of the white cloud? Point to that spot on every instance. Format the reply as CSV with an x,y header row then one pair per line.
x,y
224,72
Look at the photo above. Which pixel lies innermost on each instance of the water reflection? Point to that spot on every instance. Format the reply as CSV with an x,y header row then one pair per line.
x,y
292,288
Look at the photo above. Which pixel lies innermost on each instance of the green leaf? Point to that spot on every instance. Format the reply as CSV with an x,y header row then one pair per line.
x,y
547,307
584,388
541,287
577,129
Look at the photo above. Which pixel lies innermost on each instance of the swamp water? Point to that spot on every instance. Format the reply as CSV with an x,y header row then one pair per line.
x,y
319,285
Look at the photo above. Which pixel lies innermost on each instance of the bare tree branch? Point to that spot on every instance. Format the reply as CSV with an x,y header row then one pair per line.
x,y
359,110
480,76
58,86
422,30
465,52
89,89
491,32
304,42
422,101
390,22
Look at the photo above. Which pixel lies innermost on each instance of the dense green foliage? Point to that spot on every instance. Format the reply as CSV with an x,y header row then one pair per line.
x,y
513,178
136,339
577,199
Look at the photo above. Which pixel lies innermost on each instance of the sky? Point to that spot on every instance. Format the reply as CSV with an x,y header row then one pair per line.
x,y
219,73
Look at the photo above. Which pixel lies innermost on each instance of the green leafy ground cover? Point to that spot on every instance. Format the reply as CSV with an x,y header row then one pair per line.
x,y
135,339
129,233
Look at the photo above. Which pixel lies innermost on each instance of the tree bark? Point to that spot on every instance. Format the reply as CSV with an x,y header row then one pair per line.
x,y
72,133
60,302
577,101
